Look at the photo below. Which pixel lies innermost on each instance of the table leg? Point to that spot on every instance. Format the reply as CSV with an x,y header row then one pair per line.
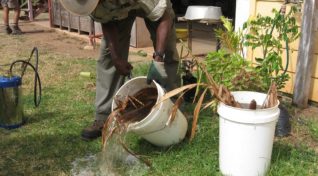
x,y
218,42
30,9
189,25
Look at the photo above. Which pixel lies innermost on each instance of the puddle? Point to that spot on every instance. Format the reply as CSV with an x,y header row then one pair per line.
x,y
115,162
84,166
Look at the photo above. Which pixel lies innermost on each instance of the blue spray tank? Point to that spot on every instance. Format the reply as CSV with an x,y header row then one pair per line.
x,y
11,103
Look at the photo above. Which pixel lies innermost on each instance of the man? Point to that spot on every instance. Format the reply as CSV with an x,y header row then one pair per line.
x,y
11,4
117,18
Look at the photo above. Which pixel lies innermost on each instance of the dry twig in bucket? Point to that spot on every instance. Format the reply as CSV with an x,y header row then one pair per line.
x,y
130,109
271,97
219,91
136,107
253,105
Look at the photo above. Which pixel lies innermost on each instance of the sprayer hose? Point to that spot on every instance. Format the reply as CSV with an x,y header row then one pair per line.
x,y
37,80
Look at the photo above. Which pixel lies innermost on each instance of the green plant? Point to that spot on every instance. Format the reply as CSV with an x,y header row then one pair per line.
x,y
232,71
227,66
270,34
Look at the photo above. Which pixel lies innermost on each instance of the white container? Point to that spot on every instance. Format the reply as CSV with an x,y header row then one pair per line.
x,y
246,136
203,13
154,126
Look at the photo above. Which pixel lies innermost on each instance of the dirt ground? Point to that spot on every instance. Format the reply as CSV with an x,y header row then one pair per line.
x,y
52,40
39,34
47,40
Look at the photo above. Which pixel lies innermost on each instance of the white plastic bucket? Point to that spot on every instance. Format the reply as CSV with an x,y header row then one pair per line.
x,y
154,126
246,136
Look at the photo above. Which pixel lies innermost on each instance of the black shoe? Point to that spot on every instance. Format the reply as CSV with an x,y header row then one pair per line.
x,y
7,30
16,30
94,131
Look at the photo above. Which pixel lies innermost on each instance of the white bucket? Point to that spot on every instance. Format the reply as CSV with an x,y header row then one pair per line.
x,y
154,126
246,136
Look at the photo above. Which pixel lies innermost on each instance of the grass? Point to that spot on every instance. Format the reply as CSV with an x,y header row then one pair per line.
x,y
50,140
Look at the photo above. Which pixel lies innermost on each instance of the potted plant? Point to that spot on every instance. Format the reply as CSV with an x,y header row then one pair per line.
x,y
247,118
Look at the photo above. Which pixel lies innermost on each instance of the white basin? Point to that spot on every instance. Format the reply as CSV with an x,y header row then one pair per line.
x,y
203,13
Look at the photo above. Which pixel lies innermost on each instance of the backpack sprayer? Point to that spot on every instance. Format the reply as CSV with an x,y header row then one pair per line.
x,y
11,104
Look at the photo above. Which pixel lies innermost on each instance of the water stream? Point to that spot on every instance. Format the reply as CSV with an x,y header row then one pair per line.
x,y
113,160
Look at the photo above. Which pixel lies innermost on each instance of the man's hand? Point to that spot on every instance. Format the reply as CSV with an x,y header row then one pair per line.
x,y
110,31
122,66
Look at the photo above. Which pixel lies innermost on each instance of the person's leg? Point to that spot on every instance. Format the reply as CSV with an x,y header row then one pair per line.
x,y
16,15
108,80
15,27
5,17
171,53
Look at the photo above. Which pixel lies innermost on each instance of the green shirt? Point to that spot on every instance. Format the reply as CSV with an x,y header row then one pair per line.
x,y
111,10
